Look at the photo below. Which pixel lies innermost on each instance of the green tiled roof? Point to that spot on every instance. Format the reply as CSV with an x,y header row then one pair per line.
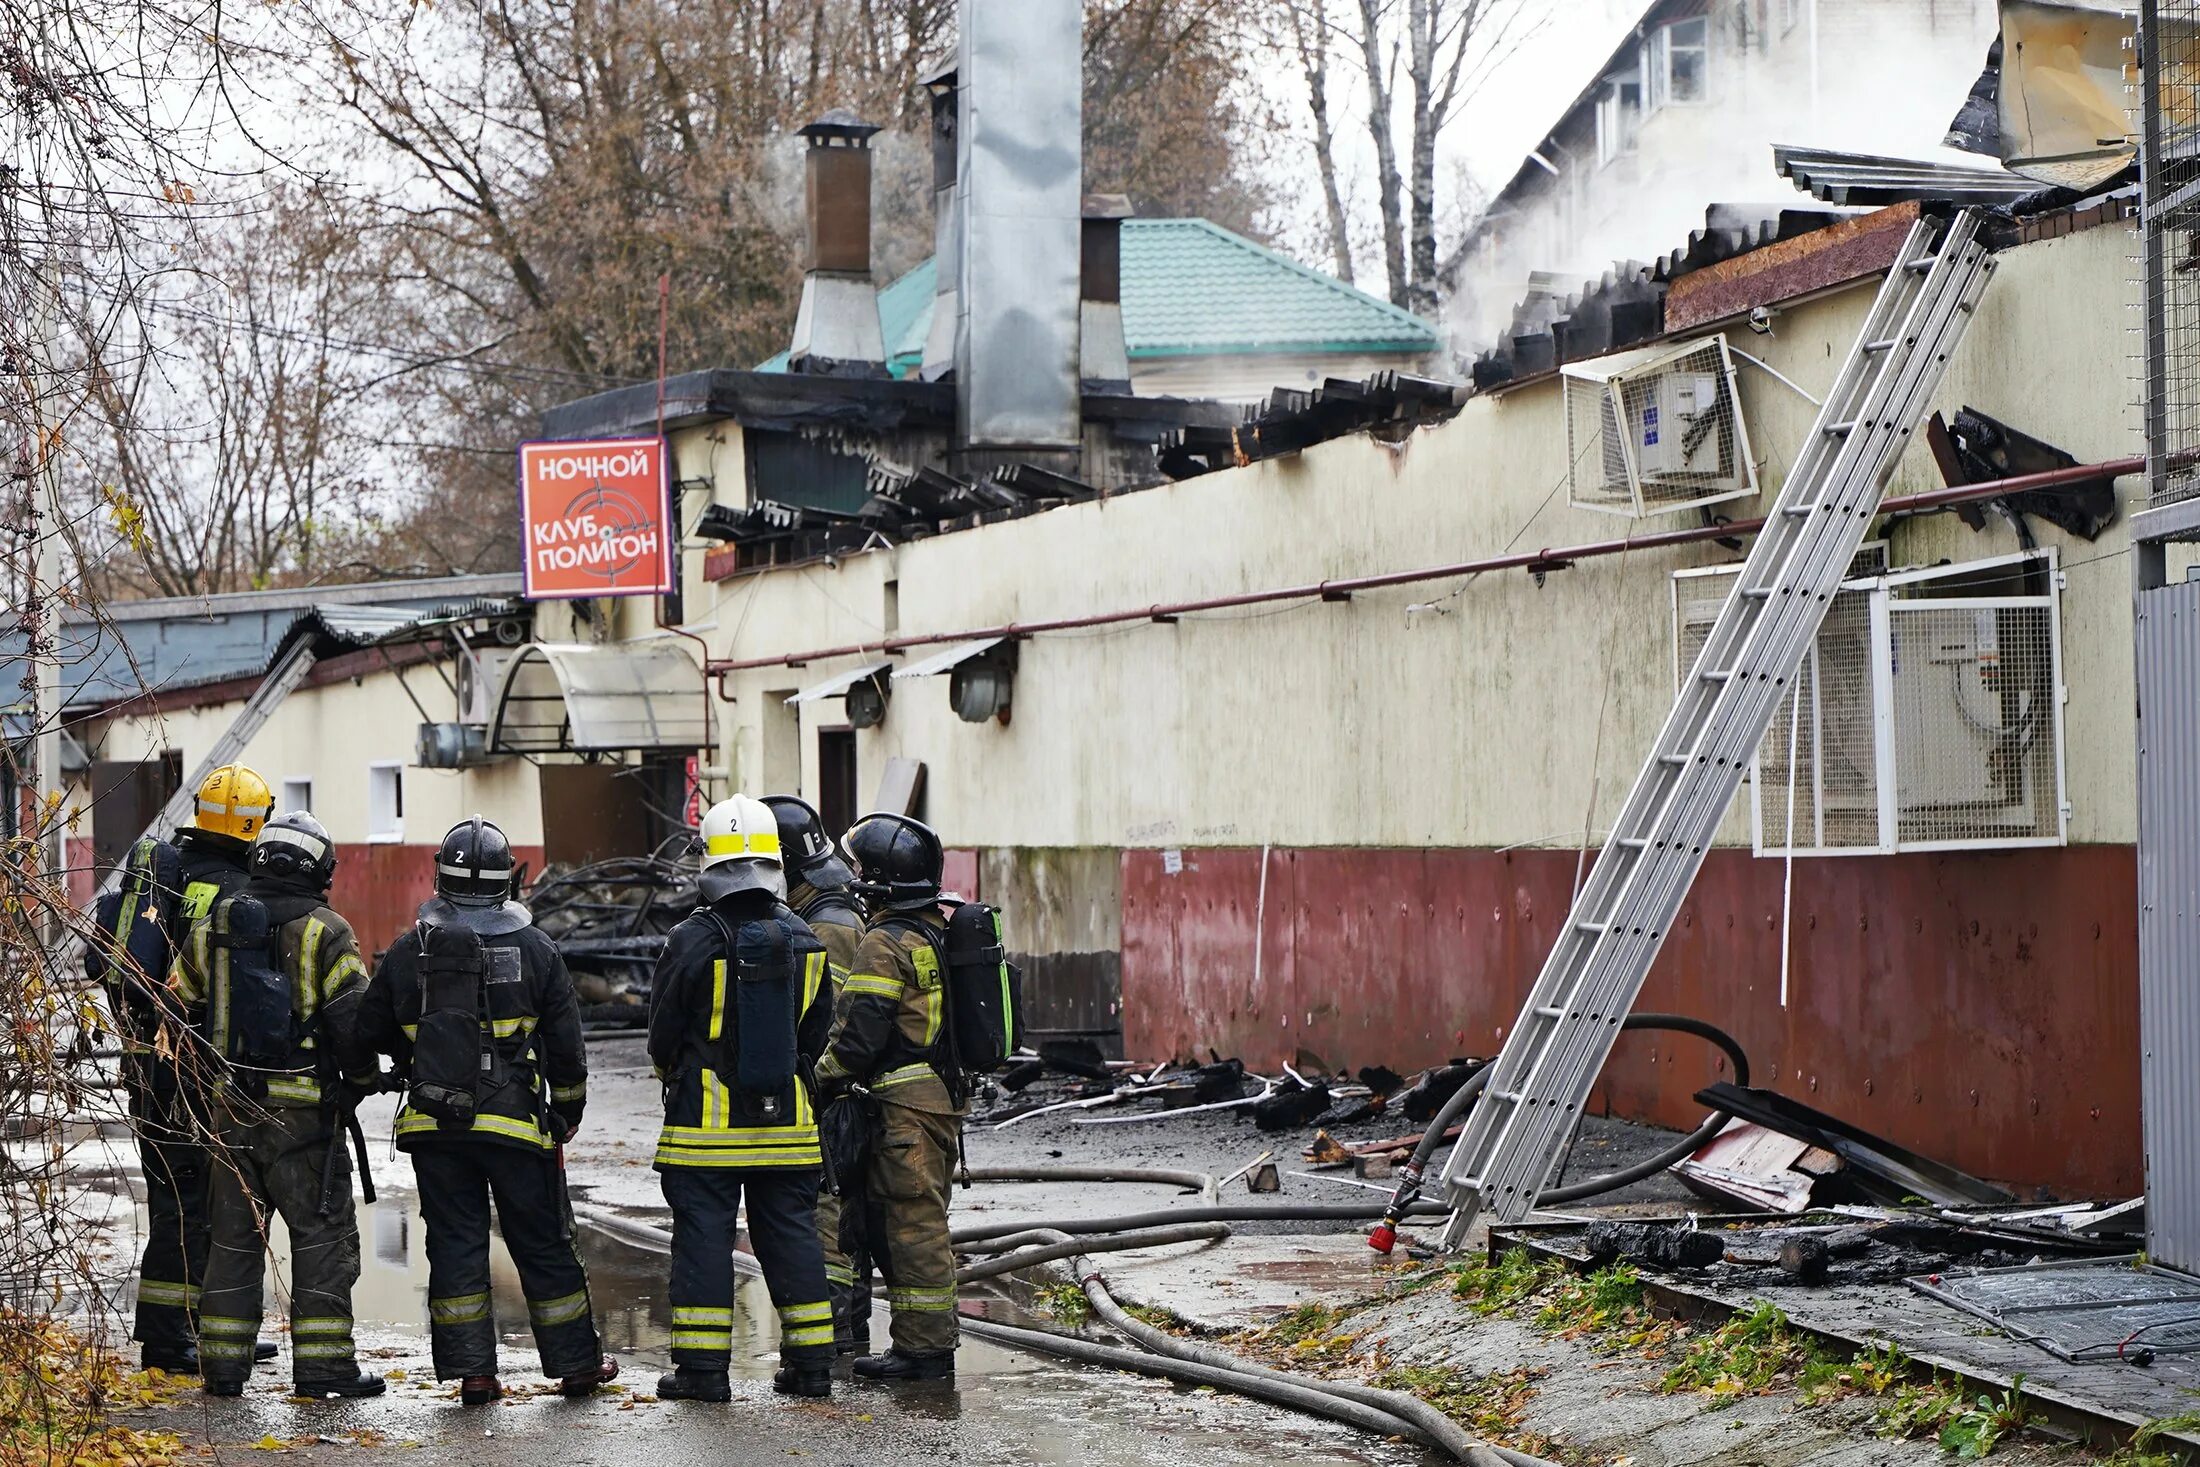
x,y
1191,288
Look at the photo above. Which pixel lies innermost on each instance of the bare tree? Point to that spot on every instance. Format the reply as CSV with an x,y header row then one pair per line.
x,y
1310,39
1165,107
1420,62
238,455
116,117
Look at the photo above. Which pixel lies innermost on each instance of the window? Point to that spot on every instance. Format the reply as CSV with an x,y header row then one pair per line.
x,y
1928,715
1677,63
1619,115
385,802
297,795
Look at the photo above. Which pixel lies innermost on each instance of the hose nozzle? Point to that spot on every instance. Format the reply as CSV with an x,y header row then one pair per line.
x,y
1384,1237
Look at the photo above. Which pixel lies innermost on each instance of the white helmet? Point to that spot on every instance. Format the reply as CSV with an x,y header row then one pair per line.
x,y
741,850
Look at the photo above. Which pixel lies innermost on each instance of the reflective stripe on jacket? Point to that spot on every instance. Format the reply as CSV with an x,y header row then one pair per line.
x,y
532,1024
319,954
887,1026
691,1014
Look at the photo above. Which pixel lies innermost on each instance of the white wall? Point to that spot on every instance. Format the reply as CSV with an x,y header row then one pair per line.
x,y
1504,715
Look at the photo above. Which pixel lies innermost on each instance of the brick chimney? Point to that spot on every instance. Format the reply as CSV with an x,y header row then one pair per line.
x,y
1104,363
836,328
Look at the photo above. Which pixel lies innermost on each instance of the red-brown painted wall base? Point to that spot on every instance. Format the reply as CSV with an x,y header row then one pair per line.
x,y
379,887
1980,1007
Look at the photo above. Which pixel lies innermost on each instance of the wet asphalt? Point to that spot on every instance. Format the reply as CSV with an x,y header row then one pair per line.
x,y
1004,1407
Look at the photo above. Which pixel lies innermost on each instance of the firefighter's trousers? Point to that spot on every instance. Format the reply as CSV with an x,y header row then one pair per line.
x,y
271,1159
458,1176
848,1275
173,1162
782,1230
912,1167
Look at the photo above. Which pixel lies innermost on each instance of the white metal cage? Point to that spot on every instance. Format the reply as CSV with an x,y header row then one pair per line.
x,y
1928,714
1658,430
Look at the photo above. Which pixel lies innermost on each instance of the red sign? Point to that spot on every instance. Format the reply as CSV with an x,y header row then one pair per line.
x,y
592,518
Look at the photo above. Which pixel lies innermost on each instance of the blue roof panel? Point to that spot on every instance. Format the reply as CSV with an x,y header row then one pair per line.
x,y
1192,288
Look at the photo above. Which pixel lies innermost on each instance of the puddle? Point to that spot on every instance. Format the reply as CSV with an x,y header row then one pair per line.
x,y
1004,1407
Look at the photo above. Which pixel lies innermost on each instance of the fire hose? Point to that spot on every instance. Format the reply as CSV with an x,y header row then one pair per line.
x,y
1389,1413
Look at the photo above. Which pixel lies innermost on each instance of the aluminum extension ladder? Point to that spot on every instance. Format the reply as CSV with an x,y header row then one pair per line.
x,y
1557,1046
282,680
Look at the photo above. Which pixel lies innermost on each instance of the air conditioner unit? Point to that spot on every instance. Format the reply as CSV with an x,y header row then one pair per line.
x,y
480,673
1961,724
1658,430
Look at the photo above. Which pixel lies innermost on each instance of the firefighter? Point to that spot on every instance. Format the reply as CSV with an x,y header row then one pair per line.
x,y
819,890
737,1015
475,1006
158,1071
272,981
888,1037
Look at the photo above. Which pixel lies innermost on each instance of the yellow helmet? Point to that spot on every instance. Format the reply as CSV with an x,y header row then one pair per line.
x,y
234,801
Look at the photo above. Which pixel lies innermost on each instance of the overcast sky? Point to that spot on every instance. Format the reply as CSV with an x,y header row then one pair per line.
x,y
1512,109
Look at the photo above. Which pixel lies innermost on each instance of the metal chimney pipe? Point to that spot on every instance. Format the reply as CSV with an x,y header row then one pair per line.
x,y
1104,361
1019,172
939,342
836,327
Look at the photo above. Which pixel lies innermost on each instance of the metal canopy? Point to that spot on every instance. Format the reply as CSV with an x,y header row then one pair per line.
x,y
940,662
840,682
559,698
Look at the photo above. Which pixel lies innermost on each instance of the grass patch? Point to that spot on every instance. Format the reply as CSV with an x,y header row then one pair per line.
x,y
1877,1371
1307,1334
2140,1452
1581,1303
1967,1427
1166,1320
1750,1355
57,1393
1489,1405
1067,1303
1500,1287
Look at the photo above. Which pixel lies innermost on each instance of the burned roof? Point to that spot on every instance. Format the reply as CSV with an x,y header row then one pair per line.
x,y
1386,405
1748,255
1870,179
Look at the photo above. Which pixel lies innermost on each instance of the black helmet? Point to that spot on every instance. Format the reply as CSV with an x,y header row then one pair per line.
x,y
804,848
898,861
473,881
295,847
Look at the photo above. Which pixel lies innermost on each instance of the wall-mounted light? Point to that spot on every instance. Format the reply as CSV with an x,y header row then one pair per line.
x,y
982,687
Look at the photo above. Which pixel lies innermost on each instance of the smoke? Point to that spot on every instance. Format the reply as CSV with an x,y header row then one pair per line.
x,y
1879,78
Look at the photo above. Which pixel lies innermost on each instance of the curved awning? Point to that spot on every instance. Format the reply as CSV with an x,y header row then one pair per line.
x,y
574,698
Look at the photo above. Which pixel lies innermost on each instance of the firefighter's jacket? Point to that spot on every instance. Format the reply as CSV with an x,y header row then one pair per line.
x,y
213,867
887,1028
838,923
532,1093
208,867
692,1014
316,949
